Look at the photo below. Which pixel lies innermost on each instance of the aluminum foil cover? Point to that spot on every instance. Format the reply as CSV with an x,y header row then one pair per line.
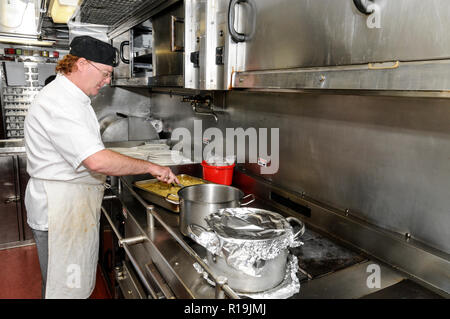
x,y
244,236
286,289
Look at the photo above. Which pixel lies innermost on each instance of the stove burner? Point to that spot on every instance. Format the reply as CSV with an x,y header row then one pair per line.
x,y
320,256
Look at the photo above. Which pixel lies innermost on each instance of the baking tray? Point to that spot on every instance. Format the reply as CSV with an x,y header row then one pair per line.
x,y
157,199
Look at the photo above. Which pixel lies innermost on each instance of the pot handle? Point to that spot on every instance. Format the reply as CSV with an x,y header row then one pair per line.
x,y
195,230
171,200
302,225
250,201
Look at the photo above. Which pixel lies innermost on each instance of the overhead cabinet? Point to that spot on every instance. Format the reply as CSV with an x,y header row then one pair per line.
x,y
301,33
134,49
322,44
150,45
346,44
299,44
168,46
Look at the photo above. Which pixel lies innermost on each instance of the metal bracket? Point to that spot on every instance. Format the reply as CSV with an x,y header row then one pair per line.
x,y
201,101
132,240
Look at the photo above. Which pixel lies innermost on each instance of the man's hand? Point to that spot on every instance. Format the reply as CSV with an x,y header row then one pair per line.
x,y
164,174
111,163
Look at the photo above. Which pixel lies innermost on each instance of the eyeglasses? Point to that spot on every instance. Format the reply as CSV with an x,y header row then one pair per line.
x,y
105,74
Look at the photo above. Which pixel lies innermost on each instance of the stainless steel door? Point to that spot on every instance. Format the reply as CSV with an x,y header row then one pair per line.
x,y
168,47
194,37
211,56
302,33
9,223
123,69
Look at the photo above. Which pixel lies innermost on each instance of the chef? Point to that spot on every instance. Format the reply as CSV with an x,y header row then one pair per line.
x,y
68,163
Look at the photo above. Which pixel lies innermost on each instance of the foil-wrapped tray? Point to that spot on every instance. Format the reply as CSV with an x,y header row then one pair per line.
x,y
158,199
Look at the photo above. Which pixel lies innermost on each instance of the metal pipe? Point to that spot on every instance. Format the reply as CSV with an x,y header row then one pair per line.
x,y
139,272
111,223
150,224
211,113
159,281
42,11
221,281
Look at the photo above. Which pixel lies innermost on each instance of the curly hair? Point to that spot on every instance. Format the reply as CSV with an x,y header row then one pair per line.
x,y
67,64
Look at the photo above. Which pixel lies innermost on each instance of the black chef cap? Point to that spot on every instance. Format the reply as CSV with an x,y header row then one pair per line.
x,y
94,50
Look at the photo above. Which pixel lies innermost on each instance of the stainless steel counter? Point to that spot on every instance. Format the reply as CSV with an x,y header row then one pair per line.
x,y
327,269
14,230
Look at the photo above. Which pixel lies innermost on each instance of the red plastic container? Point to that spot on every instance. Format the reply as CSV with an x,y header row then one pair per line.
x,y
218,174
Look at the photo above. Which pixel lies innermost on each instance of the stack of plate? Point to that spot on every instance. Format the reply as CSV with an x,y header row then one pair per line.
x,y
156,153
168,157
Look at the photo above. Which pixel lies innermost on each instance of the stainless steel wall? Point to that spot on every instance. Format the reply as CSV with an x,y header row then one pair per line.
x,y
302,33
386,159
133,101
130,101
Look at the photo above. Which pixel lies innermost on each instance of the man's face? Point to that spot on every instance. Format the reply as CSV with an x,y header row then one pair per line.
x,y
98,76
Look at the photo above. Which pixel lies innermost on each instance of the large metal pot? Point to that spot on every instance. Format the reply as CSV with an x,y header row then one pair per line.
x,y
272,273
198,201
263,274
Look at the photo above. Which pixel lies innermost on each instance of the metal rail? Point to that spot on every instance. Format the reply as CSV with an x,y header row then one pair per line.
x,y
125,242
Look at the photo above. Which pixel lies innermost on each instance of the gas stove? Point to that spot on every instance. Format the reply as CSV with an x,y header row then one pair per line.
x,y
160,260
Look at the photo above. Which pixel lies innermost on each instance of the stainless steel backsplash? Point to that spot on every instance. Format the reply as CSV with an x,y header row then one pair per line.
x,y
131,101
386,159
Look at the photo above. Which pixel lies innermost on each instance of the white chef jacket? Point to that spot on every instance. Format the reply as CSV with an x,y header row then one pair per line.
x,y
61,130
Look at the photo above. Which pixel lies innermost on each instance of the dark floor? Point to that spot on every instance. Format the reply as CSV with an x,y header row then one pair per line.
x,y
20,276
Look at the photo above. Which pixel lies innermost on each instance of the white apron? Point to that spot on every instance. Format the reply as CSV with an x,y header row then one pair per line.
x,y
73,238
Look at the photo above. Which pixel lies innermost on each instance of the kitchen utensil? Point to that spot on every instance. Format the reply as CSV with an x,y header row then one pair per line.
x,y
157,199
198,201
